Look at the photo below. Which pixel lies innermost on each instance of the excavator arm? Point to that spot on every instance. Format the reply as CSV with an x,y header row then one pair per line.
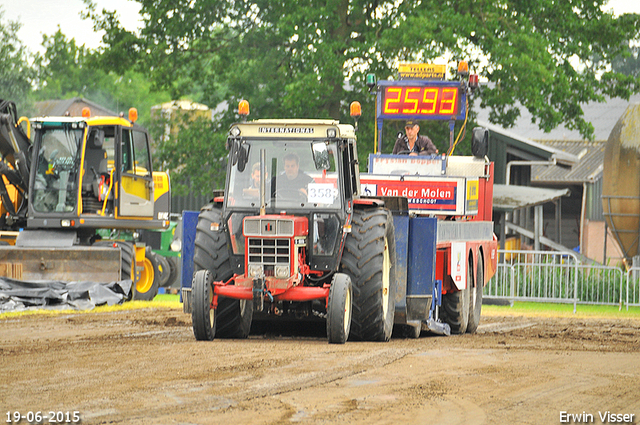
x,y
15,150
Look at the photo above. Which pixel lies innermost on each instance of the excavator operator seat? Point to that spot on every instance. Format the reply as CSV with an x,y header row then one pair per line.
x,y
95,162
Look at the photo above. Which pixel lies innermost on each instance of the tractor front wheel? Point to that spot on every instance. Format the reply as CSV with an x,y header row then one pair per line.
x,y
203,316
212,253
339,309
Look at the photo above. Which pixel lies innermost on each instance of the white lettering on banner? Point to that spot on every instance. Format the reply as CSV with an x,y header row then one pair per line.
x,y
420,193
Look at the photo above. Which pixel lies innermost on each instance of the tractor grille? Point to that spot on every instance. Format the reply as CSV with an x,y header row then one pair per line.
x,y
269,253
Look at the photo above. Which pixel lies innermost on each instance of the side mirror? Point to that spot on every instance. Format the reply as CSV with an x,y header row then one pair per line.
x,y
321,156
234,148
480,142
243,156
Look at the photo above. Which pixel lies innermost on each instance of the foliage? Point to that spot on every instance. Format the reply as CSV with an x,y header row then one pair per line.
x,y
628,64
16,74
192,151
308,58
67,70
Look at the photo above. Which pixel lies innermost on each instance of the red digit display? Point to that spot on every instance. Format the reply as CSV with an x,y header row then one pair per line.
x,y
407,100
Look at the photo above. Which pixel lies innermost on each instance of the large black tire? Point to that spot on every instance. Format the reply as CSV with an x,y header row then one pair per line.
x,y
455,306
203,317
174,271
369,258
475,298
164,271
233,317
339,309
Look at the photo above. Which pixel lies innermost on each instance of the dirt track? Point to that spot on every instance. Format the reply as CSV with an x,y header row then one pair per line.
x,y
144,367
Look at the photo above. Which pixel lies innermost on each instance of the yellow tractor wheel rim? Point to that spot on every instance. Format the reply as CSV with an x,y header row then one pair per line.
x,y
144,284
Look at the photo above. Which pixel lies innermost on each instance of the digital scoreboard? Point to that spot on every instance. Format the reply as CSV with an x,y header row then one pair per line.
x,y
420,100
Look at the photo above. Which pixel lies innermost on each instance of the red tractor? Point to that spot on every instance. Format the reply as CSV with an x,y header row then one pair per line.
x,y
292,238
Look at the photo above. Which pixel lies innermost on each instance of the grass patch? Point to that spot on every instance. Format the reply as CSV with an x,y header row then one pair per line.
x,y
160,301
520,308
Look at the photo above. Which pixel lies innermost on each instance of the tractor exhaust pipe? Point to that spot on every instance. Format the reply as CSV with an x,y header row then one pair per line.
x,y
263,172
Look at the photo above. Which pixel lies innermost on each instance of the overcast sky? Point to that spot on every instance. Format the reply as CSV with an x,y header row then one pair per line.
x,y
40,17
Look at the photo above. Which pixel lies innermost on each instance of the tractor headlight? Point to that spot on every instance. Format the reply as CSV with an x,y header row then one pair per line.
x,y
282,272
176,245
255,270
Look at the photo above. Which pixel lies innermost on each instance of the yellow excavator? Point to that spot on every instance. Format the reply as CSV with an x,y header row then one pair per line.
x,y
74,193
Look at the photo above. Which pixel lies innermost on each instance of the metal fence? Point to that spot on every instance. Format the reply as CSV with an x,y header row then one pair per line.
x,y
546,276
633,287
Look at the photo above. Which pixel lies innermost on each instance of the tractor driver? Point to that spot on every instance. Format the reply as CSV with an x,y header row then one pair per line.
x,y
254,187
412,143
292,183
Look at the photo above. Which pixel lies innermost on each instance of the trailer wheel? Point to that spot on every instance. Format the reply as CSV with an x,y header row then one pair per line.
x,y
455,307
211,253
410,330
369,258
164,271
339,309
475,298
203,317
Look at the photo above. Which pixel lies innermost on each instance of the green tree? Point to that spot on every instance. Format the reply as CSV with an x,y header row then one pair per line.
x,y
67,70
16,73
64,70
193,152
628,64
309,58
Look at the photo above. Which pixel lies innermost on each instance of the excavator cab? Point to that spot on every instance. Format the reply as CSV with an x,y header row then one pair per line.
x,y
59,148
96,170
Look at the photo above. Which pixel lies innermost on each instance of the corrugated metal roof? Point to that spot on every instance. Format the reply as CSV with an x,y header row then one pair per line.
x,y
603,116
515,139
587,169
511,197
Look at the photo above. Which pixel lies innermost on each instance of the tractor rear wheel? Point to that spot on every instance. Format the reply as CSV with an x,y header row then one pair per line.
x,y
369,258
164,271
475,298
203,316
339,309
455,306
211,253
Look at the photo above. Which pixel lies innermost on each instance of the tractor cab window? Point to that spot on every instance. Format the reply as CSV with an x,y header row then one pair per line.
x,y
298,174
58,164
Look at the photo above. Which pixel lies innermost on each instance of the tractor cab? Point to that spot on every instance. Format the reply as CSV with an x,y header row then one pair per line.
x,y
302,168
